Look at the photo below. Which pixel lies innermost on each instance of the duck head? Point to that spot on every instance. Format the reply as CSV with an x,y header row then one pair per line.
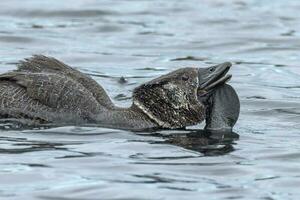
x,y
180,98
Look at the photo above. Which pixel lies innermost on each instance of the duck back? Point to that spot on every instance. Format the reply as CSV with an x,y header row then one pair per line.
x,y
44,89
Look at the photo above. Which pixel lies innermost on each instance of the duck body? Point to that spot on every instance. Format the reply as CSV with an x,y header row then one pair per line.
x,y
43,90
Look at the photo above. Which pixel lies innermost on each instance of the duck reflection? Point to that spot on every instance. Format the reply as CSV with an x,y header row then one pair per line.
x,y
209,143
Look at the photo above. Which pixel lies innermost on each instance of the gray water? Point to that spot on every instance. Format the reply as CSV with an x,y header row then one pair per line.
x,y
140,40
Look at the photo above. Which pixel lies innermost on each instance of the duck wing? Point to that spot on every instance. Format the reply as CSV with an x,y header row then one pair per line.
x,y
42,64
58,92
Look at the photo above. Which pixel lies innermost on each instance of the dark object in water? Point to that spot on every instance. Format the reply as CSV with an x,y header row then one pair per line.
x,y
44,90
223,109
209,143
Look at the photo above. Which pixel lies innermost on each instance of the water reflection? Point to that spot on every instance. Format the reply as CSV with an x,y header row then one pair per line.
x,y
22,145
209,143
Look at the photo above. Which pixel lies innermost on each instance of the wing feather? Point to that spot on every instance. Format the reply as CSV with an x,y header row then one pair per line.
x,y
42,64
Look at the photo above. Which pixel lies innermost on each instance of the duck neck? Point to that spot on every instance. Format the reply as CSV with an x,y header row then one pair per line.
x,y
125,118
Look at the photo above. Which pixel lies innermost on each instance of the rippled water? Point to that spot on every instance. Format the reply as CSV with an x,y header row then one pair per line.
x,y
140,40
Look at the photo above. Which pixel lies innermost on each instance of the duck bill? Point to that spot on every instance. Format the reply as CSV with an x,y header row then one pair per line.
x,y
211,77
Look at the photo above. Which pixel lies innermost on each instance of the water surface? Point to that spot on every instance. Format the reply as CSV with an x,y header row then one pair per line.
x,y
140,40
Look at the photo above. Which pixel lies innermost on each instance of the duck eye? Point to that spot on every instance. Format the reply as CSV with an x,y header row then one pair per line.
x,y
185,78
211,69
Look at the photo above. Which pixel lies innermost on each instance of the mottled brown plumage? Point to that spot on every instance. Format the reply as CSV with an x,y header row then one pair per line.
x,y
171,100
